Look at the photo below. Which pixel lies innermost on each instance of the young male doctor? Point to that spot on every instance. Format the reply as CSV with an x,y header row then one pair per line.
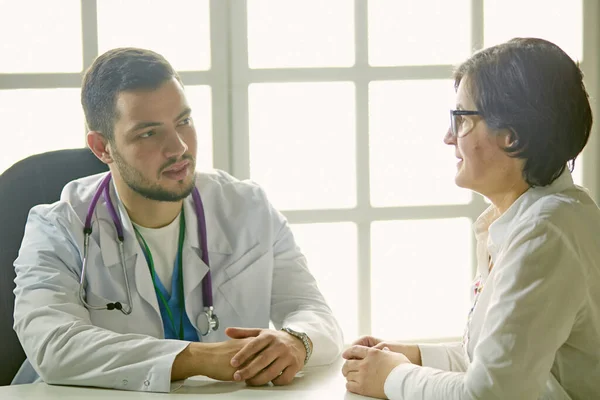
x,y
183,270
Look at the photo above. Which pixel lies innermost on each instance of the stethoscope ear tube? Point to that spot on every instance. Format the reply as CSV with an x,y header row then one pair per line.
x,y
87,231
127,309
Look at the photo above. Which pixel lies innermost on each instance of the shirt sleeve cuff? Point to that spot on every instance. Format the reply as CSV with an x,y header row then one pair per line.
x,y
435,356
395,380
326,340
159,377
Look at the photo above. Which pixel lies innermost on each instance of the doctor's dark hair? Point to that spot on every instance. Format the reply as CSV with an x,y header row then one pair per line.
x,y
116,71
535,90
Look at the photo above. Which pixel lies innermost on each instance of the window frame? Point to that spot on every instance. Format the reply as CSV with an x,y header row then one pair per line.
x,y
230,76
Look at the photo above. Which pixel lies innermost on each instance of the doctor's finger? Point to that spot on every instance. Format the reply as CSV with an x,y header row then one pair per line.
x,y
259,363
268,374
252,348
286,377
242,333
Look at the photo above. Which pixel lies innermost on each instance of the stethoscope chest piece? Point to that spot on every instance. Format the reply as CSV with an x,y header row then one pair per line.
x,y
207,321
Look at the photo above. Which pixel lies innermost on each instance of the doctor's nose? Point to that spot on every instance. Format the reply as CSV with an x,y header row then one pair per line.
x,y
175,146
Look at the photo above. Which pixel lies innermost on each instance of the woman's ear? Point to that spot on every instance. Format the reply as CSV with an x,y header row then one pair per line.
x,y
508,140
100,146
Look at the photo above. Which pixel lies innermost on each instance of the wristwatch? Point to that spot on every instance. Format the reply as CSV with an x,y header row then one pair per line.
x,y
304,338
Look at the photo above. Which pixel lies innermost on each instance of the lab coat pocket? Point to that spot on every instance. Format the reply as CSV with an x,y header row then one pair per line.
x,y
249,292
243,262
138,322
108,281
112,320
95,300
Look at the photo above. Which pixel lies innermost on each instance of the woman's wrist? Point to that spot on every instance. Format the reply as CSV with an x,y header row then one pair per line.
x,y
413,353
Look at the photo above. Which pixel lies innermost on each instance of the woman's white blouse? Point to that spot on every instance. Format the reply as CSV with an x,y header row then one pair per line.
x,y
534,330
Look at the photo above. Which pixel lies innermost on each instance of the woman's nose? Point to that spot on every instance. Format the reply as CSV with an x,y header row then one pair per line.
x,y
449,137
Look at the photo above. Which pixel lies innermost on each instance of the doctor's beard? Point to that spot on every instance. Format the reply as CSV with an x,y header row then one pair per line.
x,y
153,191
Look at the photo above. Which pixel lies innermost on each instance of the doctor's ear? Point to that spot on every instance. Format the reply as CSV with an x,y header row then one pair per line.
x,y
100,146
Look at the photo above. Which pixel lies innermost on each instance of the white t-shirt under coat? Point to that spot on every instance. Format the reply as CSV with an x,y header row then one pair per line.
x,y
163,243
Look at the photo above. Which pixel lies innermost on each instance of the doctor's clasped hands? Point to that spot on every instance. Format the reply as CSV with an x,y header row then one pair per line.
x,y
257,356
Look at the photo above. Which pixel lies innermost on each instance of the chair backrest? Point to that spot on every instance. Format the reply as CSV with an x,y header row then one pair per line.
x,y
38,179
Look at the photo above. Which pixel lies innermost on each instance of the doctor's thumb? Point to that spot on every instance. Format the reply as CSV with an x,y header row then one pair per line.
x,y
242,333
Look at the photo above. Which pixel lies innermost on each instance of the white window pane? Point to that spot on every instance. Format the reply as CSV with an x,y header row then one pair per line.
x,y
559,21
178,30
331,252
308,33
39,120
302,143
40,36
408,32
199,99
420,278
410,164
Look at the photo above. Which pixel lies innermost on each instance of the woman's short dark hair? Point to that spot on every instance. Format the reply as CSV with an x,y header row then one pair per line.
x,y
116,71
535,90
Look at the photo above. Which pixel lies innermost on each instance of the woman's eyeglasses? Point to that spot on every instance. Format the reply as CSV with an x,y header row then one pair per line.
x,y
456,119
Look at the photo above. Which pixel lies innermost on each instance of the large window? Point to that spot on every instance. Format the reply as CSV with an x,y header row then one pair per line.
x,y
337,108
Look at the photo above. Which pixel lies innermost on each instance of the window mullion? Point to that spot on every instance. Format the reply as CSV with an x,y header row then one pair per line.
x,y
220,80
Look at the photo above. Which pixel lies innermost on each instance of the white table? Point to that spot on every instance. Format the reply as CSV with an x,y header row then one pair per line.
x,y
311,384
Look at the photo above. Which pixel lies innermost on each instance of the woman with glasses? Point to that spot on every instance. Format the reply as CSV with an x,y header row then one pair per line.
x,y
522,116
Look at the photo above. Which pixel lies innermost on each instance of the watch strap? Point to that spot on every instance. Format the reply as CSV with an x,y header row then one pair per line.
x,y
305,341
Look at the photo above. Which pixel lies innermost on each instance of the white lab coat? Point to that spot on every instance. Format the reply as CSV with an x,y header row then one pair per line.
x,y
258,274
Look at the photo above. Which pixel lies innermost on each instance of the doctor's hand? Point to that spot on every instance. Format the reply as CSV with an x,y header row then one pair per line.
x,y
208,359
366,369
271,356
411,351
220,367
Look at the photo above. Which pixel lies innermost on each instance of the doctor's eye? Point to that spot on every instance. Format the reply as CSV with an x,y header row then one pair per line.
x,y
147,134
186,121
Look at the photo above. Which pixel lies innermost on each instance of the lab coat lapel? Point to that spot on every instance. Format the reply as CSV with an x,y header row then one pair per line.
x,y
194,269
109,242
109,245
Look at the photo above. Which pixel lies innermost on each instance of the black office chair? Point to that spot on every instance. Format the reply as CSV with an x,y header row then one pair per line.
x,y
38,179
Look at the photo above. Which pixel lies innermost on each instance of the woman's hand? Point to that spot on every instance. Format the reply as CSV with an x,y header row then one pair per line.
x,y
367,368
411,351
367,341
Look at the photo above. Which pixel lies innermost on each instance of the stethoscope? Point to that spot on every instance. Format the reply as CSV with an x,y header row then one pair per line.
x,y
205,326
